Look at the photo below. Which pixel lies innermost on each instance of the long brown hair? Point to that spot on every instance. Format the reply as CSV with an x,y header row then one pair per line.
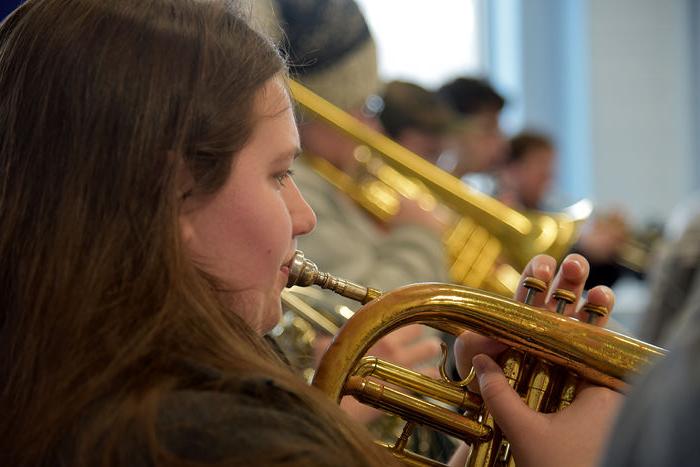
x,y
100,104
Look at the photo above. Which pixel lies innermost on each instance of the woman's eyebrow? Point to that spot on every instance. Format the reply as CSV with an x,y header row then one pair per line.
x,y
294,153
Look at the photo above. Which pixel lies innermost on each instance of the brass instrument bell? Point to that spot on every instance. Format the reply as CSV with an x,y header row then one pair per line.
x,y
549,352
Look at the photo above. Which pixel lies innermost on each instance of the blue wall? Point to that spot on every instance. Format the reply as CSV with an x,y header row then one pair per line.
x,y
615,84
539,59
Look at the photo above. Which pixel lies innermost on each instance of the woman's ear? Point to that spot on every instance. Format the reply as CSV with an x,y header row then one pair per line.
x,y
184,182
187,231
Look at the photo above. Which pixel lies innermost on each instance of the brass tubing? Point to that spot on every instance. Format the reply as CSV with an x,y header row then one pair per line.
x,y
416,410
402,442
538,385
424,385
409,458
304,272
484,454
598,355
595,354
308,313
568,391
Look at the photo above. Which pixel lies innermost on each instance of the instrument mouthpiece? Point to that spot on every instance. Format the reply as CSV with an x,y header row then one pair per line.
x,y
304,272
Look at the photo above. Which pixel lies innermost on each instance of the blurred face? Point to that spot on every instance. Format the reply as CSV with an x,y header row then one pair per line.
x,y
532,176
425,144
322,140
479,144
245,234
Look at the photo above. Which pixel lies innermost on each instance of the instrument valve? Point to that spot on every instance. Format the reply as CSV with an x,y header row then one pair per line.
x,y
533,286
594,312
563,297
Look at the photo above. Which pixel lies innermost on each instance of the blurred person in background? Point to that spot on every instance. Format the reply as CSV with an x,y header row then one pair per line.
x,y
525,181
416,118
674,279
477,143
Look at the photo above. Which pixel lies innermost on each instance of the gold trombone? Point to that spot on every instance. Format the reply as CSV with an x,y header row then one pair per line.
x,y
488,243
539,341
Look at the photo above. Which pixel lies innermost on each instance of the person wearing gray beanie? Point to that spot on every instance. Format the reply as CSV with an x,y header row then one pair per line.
x,y
328,45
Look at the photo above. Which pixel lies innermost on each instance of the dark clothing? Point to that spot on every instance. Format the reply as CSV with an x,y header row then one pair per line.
x,y
659,423
228,421
674,286
254,423
243,422
601,273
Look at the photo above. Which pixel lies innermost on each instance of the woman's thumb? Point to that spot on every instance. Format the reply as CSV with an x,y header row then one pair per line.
x,y
510,412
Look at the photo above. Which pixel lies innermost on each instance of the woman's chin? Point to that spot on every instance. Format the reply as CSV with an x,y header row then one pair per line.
x,y
272,317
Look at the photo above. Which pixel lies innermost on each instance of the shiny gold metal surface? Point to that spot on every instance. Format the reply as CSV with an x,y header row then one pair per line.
x,y
540,341
488,243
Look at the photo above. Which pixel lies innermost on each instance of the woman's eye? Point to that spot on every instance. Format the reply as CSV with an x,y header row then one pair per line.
x,y
283,176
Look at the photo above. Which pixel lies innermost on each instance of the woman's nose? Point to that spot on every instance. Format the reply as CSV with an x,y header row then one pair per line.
x,y
303,217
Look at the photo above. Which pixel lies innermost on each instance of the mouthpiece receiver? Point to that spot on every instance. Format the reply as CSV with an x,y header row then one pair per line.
x,y
304,273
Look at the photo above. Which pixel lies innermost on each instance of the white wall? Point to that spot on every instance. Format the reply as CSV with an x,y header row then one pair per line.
x,y
612,81
641,116
410,32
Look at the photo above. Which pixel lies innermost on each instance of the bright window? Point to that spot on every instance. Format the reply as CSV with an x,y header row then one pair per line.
x,y
426,41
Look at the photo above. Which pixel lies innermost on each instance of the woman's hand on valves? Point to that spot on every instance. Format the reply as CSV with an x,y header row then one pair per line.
x,y
574,436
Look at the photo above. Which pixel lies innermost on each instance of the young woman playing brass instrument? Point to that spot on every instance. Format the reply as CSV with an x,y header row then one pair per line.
x,y
148,218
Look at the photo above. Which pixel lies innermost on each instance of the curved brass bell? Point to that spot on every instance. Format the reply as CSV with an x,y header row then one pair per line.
x,y
540,342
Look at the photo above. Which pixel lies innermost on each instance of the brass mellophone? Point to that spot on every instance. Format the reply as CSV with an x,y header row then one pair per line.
x,y
549,354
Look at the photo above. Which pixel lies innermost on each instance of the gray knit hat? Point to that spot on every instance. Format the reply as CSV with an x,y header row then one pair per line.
x,y
328,44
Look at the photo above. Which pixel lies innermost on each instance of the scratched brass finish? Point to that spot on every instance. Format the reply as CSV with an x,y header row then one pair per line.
x,y
487,243
548,341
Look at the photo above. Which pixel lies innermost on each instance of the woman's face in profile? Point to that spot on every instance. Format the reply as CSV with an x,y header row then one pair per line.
x,y
245,233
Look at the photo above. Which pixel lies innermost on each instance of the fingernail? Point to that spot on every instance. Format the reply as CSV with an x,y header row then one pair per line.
x,y
578,264
610,296
544,269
